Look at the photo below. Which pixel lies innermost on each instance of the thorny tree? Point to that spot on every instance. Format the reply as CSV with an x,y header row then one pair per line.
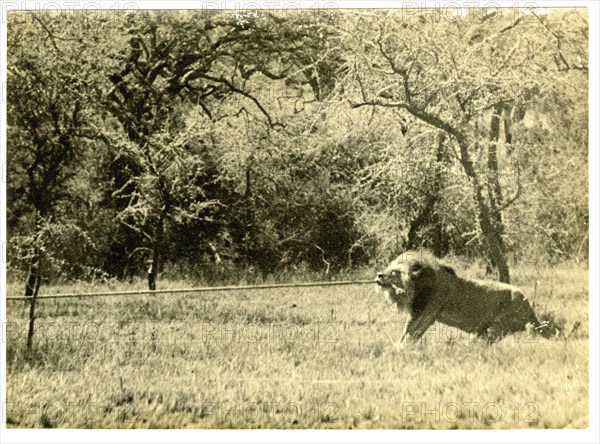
x,y
456,73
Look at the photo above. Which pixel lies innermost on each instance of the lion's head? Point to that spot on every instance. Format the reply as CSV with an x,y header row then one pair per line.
x,y
408,274
399,278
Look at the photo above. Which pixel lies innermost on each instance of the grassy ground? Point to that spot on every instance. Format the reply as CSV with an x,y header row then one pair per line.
x,y
291,358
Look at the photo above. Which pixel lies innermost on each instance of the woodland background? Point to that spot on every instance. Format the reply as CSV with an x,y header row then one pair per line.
x,y
249,145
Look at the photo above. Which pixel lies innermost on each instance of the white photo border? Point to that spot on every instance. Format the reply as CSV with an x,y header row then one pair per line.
x,y
64,436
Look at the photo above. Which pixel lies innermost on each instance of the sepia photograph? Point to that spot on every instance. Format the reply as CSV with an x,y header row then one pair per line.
x,y
298,216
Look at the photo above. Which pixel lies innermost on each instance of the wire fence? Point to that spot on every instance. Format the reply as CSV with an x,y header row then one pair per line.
x,y
190,290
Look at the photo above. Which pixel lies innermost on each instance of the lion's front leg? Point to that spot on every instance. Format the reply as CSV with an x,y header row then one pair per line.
x,y
416,327
402,342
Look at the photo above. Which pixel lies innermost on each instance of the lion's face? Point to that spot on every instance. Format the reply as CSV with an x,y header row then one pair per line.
x,y
392,278
397,281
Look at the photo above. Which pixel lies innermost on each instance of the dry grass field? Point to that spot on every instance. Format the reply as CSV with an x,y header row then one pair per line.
x,y
292,358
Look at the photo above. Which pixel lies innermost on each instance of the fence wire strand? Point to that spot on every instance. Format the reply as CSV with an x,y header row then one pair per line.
x,y
190,290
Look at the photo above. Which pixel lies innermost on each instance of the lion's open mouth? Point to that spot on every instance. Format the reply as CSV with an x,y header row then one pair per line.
x,y
398,290
387,286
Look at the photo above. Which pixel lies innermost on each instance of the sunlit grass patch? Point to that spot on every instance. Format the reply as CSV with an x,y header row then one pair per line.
x,y
289,358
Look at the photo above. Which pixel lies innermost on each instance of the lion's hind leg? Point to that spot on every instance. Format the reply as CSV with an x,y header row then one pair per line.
x,y
491,334
513,318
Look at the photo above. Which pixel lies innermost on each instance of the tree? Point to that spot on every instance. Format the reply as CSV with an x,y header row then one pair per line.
x,y
179,74
45,140
451,74
270,141
50,103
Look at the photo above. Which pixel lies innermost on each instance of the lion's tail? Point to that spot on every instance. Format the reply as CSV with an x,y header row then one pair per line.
x,y
549,329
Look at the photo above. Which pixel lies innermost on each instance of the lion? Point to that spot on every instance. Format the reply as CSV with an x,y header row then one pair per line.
x,y
429,291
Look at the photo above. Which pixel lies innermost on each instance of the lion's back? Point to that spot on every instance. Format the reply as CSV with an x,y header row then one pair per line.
x,y
473,304
468,304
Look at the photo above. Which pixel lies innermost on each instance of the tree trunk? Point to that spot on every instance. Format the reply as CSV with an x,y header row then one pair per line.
x,y
493,239
428,217
157,249
493,181
440,242
507,126
492,236
156,256
494,190
152,271
32,312
33,275
34,279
